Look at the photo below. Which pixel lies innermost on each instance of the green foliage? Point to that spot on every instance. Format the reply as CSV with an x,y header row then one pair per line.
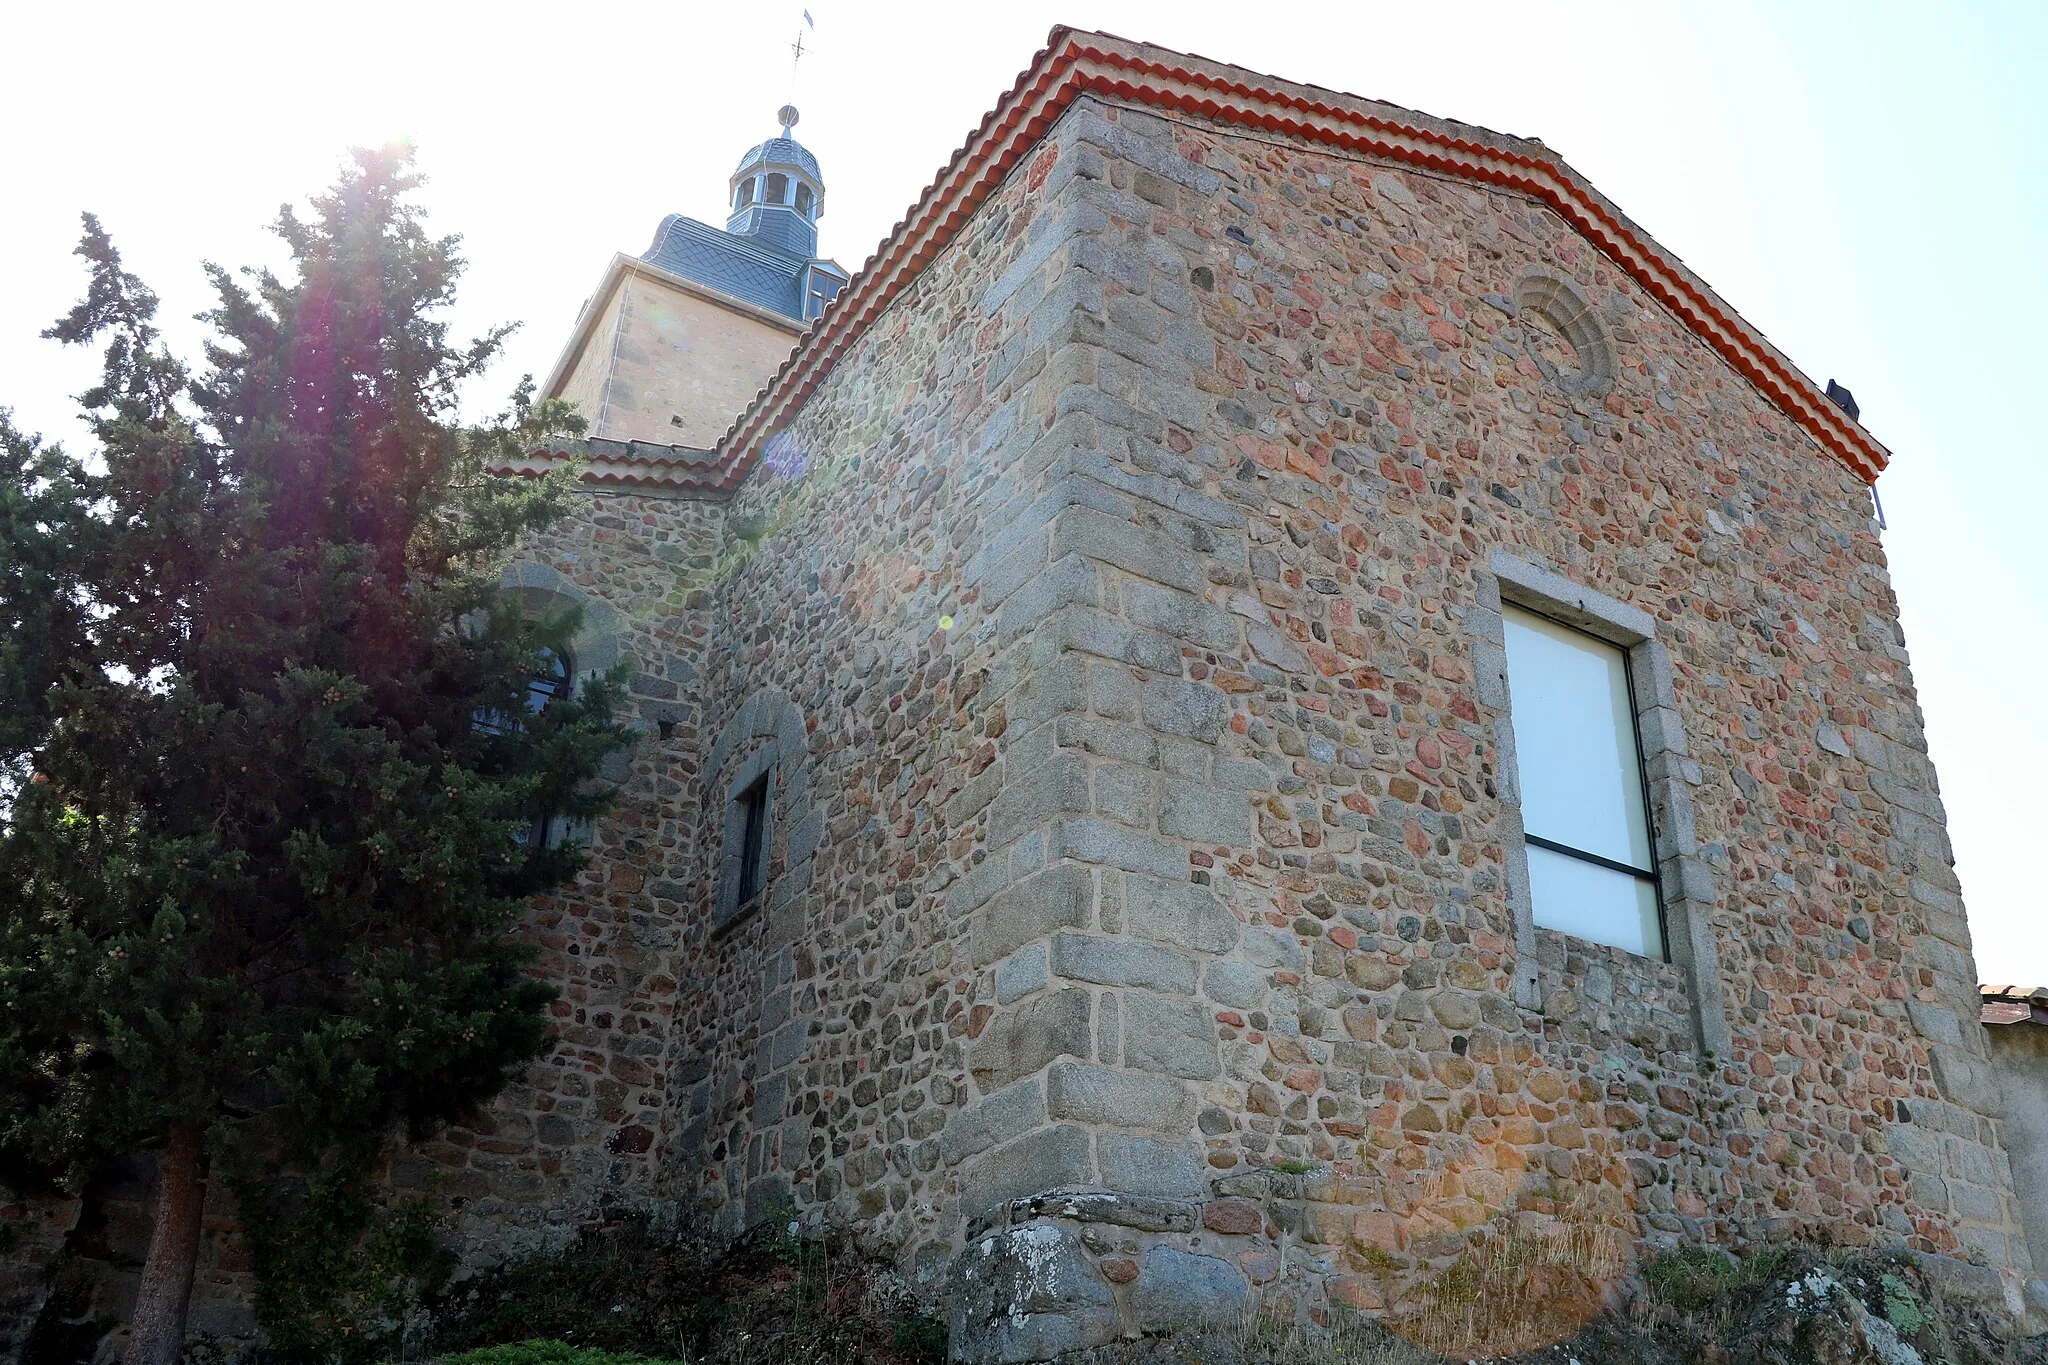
x,y
546,1353
634,1288
259,859
344,1279
1689,1278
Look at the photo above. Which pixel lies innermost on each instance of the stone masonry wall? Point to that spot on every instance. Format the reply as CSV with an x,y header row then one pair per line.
x,y
821,1066
1175,870
578,1133
1281,780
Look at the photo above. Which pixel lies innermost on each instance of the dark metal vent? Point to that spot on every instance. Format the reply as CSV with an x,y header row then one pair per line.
x,y
1844,400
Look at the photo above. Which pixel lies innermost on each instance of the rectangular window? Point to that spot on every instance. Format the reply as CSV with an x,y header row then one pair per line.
x,y
1591,871
754,831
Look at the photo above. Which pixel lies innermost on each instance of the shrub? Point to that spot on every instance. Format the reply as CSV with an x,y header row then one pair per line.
x,y
548,1353
1690,1278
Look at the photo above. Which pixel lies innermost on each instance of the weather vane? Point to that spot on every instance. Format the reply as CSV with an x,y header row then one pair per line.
x,y
797,48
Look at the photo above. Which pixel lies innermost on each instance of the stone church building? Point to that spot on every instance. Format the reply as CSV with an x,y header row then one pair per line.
x,y
1270,684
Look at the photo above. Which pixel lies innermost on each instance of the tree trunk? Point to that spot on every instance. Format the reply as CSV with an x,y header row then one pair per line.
x,y
156,1332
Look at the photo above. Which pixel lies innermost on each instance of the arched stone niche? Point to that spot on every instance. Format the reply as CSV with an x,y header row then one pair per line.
x,y
762,743
1563,334
543,591
598,643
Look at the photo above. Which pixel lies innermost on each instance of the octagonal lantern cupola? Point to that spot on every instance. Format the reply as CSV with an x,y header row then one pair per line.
x,y
777,195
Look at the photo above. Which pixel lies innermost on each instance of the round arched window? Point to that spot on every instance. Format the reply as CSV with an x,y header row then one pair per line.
x,y
1562,334
549,684
804,199
743,194
777,189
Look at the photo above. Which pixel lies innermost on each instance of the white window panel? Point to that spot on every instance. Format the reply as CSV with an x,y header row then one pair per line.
x,y
1595,903
1575,740
1581,786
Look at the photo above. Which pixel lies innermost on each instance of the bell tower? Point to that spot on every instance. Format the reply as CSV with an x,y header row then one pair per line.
x,y
674,342
776,193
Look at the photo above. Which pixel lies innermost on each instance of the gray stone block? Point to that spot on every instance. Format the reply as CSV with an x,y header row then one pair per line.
x,y
1132,548
1272,949
1125,743
1916,1149
1181,616
1276,649
1235,984
1035,795
1119,962
1934,1023
1107,637
1177,1037
1027,1293
1959,1280
1125,794
1023,1038
1150,1166
1021,973
1176,1289
1002,1117
1058,897
1204,814
1180,913
1144,1212
1967,1081
1098,841
1976,1203
1190,710
1115,693
1068,582
1118,1099
1055,1158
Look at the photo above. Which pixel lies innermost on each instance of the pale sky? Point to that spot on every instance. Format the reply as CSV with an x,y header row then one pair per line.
x,y
1865,182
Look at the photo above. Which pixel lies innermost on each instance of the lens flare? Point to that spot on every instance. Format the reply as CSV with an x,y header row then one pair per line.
x,y
782,456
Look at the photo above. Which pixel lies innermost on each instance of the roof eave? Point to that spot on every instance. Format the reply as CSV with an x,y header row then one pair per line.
x,y
1075,62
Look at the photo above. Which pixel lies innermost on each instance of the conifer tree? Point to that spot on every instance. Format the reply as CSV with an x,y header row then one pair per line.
x,y
275,745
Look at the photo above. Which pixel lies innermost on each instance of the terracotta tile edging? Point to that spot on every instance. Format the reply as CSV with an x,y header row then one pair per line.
x,y
1075,63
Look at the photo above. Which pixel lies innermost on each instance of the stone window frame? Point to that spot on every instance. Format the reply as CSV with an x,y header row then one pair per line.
x,y
758,770
768,715
1685,881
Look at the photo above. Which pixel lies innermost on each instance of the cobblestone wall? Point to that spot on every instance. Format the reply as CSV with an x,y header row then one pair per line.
x,y
1178,865
578,1133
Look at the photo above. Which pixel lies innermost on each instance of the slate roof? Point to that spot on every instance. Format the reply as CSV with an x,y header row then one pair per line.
x,y
780,151
738,266
750,268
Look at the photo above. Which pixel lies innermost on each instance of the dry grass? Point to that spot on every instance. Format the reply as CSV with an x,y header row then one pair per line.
x,y
1528,1283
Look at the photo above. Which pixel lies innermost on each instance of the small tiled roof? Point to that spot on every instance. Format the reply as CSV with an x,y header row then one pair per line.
x,y
744,267
2014,1004
780,151
623,464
